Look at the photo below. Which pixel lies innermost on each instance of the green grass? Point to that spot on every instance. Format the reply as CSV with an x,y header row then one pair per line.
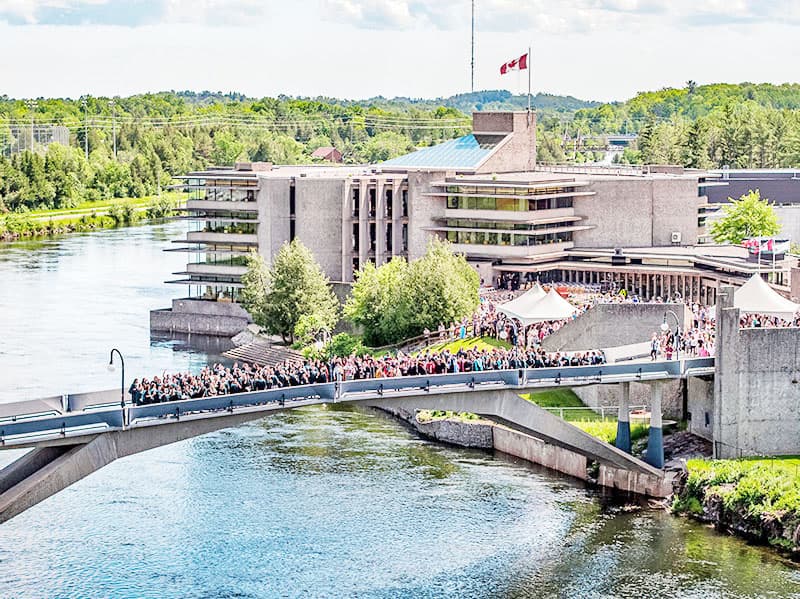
x,y
583,417
760,486
477,343
102,205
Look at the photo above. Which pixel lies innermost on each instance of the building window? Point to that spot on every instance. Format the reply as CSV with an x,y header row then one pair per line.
x,y
356,201
389,237
355,264
404,232
388,203
372,237
405,203
291,230
372,202
355,237
292,207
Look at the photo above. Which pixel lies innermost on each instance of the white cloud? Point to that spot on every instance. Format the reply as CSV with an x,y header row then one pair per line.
x,y
27,11
559,17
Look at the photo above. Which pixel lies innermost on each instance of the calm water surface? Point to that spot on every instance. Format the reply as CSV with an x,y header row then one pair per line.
x,y
313,503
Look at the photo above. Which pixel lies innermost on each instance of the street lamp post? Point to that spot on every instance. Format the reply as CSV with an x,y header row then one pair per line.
x,y
665,328
122,383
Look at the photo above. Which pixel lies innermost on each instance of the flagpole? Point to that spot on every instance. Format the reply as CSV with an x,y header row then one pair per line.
x,y
529,65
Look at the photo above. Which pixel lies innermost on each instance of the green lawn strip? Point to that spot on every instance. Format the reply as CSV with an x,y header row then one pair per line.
x,y
584,418
477,343
89,207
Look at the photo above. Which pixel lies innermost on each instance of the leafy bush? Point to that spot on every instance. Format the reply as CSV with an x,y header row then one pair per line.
x,y
399,300
342,346
161,207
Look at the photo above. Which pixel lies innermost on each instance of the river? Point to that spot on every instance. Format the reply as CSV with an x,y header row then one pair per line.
x,y
319,502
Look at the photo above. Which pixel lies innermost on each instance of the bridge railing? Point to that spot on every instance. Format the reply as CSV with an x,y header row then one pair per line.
x,y
40,424
61,424
400,383
219,403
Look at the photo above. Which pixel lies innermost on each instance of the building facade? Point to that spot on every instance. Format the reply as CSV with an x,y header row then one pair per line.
x,y
615,227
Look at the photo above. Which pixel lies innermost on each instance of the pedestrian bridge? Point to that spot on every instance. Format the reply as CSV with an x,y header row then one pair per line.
x,y
74,435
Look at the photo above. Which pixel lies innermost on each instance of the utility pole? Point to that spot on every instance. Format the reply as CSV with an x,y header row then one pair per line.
x,y
472,59
32,105
111,103
85,102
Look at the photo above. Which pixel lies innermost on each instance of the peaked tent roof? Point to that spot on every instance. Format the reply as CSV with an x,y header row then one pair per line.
x,y
523,304
756,296
550,306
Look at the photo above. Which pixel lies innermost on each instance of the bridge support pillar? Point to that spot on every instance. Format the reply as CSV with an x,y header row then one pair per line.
x,y
623,441
655,440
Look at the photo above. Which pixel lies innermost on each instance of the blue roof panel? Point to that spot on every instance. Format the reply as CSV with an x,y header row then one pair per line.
x,y
464,152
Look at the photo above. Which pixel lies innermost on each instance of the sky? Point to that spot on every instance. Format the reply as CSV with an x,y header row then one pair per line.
x,y
592,49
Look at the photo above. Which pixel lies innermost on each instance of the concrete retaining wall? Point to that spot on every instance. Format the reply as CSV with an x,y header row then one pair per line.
x,y
701,407
613,325
537,451
200,317
634,482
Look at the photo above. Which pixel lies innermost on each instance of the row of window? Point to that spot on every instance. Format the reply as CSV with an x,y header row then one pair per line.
x,y
372,202
513,191
213,226
475,224
388,243
223,214
510,239
508,204
224,195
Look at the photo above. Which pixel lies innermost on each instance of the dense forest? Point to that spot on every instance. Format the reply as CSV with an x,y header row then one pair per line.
x,y
131,147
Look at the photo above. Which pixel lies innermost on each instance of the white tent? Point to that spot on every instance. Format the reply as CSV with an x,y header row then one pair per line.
x,y
549,307
519,306
757,297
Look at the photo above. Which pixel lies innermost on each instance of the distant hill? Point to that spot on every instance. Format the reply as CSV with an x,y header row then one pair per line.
x,y
505,100
497,99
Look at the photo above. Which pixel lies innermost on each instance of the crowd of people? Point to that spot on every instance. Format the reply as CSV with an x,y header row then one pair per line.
x,y
696,339
243,377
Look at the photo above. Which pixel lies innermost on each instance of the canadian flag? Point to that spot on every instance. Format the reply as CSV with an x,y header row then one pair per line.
x,y
518,64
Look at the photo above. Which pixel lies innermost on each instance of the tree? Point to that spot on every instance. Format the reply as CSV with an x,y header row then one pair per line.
x,y
374,301
749,216
293,297
399,300
256,287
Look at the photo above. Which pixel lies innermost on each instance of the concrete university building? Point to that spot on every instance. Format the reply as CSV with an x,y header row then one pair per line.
x,y
614,227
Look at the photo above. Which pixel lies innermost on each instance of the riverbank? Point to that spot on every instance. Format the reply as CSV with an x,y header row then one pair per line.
x,y
88,216
468,430
757,499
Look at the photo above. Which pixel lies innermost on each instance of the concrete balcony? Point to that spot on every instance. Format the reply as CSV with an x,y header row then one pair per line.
x,y
216,269
221,205
509,216
232,238
510,251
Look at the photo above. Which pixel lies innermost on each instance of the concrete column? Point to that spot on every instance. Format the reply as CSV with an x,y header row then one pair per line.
x,y
380,223
363,224
655,439
624,420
